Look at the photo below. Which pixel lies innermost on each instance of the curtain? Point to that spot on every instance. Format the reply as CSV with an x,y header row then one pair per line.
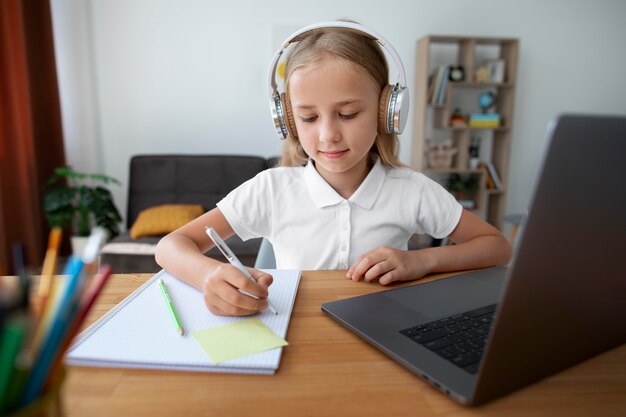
x,y
31,138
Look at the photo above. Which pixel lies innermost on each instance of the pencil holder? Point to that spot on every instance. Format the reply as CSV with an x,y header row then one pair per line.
x,y
48,405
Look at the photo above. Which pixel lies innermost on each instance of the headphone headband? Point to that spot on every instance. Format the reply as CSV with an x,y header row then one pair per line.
x,y
297,36
393,104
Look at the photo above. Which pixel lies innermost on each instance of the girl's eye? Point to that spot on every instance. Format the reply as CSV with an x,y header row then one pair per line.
x,y
309,119
348,116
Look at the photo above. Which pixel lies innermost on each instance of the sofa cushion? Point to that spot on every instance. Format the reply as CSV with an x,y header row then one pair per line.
x,y
163,219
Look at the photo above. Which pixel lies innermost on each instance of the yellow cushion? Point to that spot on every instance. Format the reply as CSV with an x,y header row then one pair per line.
x,y
160,220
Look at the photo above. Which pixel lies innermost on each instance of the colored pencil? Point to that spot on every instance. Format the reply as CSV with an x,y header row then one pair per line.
x,y
63,317
87,300
47,271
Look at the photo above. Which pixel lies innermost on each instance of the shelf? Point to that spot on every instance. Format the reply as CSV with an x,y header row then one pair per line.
x,y
436,52
452,170
499,129
466,84
479,41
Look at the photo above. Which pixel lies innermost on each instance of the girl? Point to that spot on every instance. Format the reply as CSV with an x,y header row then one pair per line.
x,y
341,199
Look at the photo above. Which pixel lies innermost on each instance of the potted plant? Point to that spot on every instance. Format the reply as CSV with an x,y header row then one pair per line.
x,y
79,201
463,188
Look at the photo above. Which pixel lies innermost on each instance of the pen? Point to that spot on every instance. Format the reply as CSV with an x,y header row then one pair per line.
x,y
170,306
223,247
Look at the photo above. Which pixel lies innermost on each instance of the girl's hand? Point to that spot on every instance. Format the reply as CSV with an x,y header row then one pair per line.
x,y
221,291
389,265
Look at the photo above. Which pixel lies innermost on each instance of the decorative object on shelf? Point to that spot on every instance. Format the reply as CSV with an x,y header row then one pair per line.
x,y
487,100
496,70
78,200
463,187
482,74
440,154
458,119
484,120
456,73
474,152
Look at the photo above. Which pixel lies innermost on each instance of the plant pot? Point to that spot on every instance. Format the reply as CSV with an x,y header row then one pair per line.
x,y
78,244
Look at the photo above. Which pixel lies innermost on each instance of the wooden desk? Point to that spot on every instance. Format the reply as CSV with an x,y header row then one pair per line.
x,y
325,371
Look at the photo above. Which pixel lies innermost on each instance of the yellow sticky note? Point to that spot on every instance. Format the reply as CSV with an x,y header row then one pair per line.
x,y
233,340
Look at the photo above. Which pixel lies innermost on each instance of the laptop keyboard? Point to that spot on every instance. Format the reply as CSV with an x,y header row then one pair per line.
x,y
460,338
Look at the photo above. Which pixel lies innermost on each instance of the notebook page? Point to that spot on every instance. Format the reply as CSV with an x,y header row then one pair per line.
x,y
139,332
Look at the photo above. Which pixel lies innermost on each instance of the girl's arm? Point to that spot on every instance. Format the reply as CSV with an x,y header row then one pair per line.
x,y
478,245
181,253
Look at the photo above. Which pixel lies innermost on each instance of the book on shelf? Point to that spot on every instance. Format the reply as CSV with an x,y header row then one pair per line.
x,y
485,116
443,86
433,81
493,179
438,85
484,120
482,125
431,86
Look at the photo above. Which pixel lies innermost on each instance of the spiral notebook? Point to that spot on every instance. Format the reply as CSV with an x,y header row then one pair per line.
x,y
138,332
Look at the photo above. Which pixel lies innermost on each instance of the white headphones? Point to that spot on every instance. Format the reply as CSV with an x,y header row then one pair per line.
x,y
393,106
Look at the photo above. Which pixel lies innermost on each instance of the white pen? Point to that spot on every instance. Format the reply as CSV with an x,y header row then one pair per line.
x,y
223,247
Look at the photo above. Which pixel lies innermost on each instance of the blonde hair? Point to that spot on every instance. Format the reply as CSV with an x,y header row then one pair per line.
x,y
353,47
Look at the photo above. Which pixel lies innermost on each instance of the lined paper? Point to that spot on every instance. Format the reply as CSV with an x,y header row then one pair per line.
x,y
139,333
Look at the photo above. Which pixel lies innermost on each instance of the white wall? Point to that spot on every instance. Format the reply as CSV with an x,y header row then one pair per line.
x,y
165,76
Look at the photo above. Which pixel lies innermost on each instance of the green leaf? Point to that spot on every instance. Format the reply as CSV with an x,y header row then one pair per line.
x,y
80,204
104,210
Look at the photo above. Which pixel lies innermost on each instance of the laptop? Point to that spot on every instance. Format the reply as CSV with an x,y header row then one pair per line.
x,y
482,334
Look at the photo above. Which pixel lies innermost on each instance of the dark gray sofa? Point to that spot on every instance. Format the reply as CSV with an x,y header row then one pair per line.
x,y
179,179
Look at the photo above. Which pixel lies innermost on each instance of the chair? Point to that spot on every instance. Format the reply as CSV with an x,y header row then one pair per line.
x,y
265,258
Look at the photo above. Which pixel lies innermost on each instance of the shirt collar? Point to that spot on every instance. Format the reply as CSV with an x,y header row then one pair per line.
x,y
324,195
367,193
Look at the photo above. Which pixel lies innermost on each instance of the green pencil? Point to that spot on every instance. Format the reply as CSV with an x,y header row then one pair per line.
x,y
170,306
12,337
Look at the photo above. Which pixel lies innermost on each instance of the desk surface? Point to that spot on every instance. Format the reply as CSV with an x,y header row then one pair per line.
x,y
325,371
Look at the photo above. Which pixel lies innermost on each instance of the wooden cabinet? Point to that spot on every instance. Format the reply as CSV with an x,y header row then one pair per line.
x,y
488,69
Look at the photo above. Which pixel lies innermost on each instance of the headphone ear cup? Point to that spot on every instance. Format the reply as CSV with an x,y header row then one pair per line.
x,y
289,119
383,110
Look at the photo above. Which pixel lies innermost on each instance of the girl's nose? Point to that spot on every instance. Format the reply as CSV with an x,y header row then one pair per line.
x,y
329,131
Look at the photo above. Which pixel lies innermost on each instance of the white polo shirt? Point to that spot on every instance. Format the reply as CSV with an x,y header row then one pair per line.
x,y
312,227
